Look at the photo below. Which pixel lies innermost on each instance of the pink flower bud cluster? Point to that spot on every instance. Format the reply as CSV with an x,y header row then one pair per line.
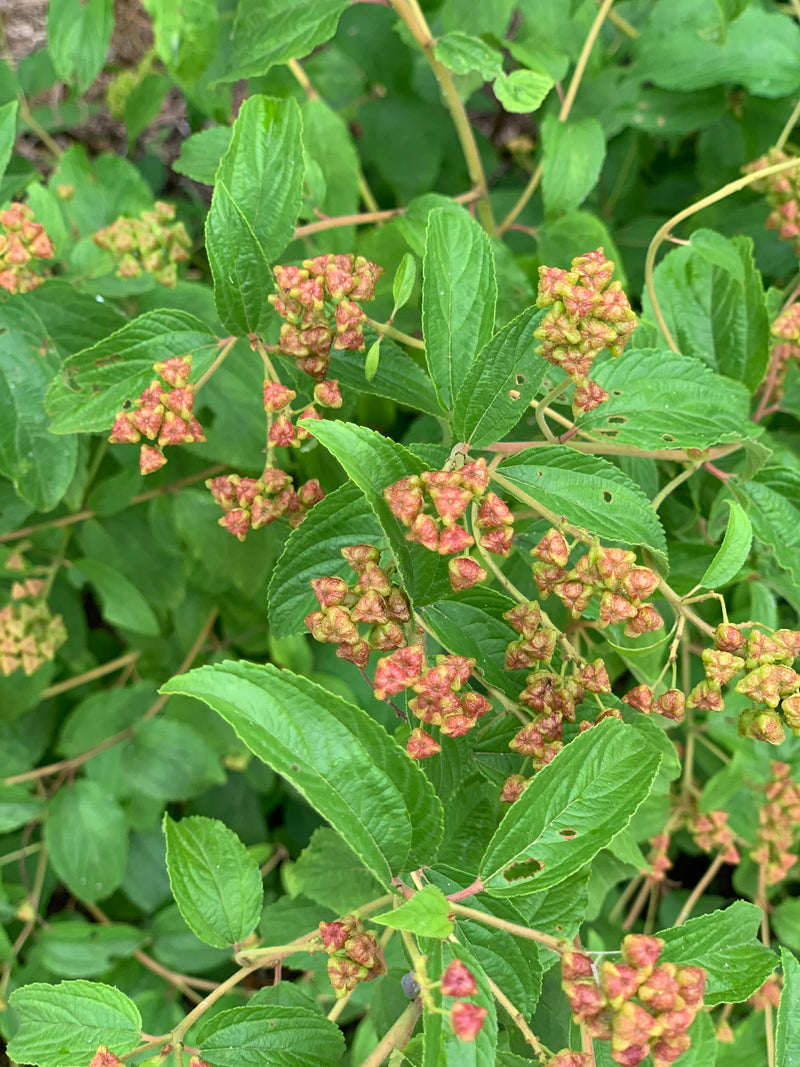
x,y
250,503
782,193
643,1008
588,312
105,1058
30,634
355,955
466,1018
373,601
163,413
282,432
778,820
610,574
711,833
147,244
433,504
319,302
767,995
671,703
22,243
785,331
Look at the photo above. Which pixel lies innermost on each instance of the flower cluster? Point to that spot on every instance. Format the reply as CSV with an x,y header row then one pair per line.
x,y
438,701
639,1007
147,244
466,1018
610,574
783,195
778,819
373,600
250,503
105,1058
163,413
29,633
319,304
355,955
769,679
785,331
587,313
712,834
671,703
659,859
431,505
282,432
22,242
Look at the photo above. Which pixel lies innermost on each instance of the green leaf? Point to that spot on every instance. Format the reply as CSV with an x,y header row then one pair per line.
x,y
733,551
269,1035
462,53
8,132
573,807
65,1023
712,299
359,779
372,361
170,760
78,36
660,399
725,943
83,949
201,153
397,376
774,497
425,914
121,602
17,807
522,91
573,154
40,466
99,381
87,840
102,715
329,143
328,872
267,32
215,881
74,320
186,34
459,293
441,1046
501,383
787,1034
588,491
563,238
404,278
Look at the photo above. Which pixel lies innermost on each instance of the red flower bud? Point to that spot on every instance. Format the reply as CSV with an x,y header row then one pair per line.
x,y
363,948
552,549
327,394
493,512
450,502
670,704
475,476
345,974
452,540
729,638
356,652
619,982
104,1058
614,608
405,499
329,591
466,1019
640,583
525,618
498,541
175,371
641,951
277,396
513,787
151,459
236,522
282,433
568,1057
395,672
593,677
706,696
359,556
123,431
464,572
458,981
421,745
644,621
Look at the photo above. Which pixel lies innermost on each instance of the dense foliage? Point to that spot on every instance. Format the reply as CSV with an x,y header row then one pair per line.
x,y
400,535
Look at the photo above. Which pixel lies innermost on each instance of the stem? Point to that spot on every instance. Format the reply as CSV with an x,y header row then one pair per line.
x,y
302,79
555,944
397,335
200,1009
542,406
683,476
333,222
787,129
663,232
21,853
625,896
638,904
677,605
226,346
698,890
518,1020
90,676
610,448
397,1036
622,24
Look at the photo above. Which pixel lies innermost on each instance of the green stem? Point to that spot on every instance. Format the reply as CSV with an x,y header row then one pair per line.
x,y
787,129
397,1036
555,944
227,345
683,476
397,335
541,407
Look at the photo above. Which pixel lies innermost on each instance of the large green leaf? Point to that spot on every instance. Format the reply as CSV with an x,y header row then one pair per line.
x,y
84,949
99,381
787,1034
74,320
267,32
87,840
345,764
774,496
328,142
186,34
459,294
201,154
573,154
522,91
65,1023
573,807
269,1035
588,491
504,378
78,36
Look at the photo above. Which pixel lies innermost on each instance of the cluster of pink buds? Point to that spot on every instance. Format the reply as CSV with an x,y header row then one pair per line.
x,y
373,600
778,819
355,955
588,312
671,703
319,302
163,413
609,573
250,503
147,244
658,858
711,833
466,1018
29,633
431,505
282,432
767,995
783,195
785,331
640,1007
22,243
568,1057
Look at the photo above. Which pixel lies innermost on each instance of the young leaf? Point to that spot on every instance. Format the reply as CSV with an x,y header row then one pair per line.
x,y
186,36
78,36
522,91
372,361
269,1035
8,132
344,764
733,551
403,282
573,154
462,53
425,914
501,383
573,807
215,881
267,32
589,491
86,836
459,293
787,1034
65,1023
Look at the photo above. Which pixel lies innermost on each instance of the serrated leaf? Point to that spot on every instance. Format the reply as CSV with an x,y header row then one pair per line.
x,y
588,491
269,1035
267,32
462,53
395,376
774,496
83,950
725,943
65,1023
403,281
201,153
787,1034
87,840
121,602
99,381
504,378
573,807
8,133
459,293
573,155
78,36
328,872
359,779
74,320
660,399
214,879
425,914
522,91
733,551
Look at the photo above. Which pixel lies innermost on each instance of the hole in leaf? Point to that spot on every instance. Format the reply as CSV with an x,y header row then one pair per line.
x,y
520,379
667,437
608,496
295,767
106,361
568,833
527,869
514,394
616,392
617,420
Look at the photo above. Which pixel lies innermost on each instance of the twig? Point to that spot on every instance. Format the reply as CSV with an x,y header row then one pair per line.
x,y
699,889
